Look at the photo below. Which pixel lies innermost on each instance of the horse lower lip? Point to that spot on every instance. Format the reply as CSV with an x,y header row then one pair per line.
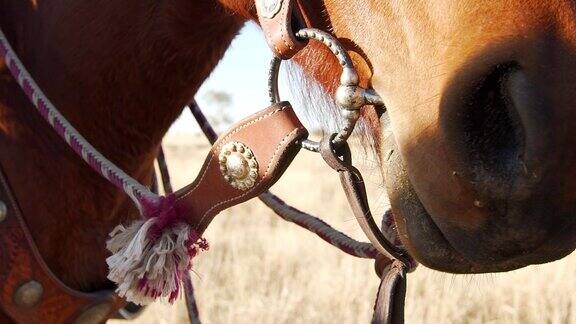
x,y
426,242
415,227
482,252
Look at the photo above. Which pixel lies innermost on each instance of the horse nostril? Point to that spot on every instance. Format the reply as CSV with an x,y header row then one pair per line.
x,y
491,130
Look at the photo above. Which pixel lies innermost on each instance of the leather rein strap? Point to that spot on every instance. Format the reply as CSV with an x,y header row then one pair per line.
x,y
393,262
340,159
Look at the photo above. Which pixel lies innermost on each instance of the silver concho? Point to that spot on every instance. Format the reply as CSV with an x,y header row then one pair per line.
x,y
3,211
238,165
28,294
94,314
269,8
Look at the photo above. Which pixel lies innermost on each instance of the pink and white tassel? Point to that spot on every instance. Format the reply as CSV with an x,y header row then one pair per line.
x,y
150,257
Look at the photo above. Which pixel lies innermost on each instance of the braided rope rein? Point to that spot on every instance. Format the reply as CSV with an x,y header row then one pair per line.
x,y
189,295
140,194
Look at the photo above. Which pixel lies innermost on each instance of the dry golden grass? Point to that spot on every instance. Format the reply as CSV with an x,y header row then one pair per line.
x,y
261,269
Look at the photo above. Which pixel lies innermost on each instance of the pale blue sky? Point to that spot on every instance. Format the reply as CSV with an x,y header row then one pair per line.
x,y
242,73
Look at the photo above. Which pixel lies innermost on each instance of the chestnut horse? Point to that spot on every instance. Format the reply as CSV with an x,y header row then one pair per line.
x,y
480,169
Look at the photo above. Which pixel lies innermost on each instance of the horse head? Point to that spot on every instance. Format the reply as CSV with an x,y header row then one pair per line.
x,y
479,162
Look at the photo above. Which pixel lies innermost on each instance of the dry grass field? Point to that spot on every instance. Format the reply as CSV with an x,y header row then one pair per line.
x,y
261,269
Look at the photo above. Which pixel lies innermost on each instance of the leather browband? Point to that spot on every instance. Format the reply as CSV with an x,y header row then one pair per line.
x,y
277,18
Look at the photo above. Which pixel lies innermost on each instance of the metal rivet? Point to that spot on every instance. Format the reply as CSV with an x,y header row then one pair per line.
x,y
3,211
269,8
237,166
28,294
94,314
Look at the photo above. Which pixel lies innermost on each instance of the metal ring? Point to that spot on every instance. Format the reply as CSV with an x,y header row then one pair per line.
x,y
350,97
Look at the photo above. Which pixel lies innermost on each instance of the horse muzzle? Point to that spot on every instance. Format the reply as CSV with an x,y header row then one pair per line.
x,y
506,193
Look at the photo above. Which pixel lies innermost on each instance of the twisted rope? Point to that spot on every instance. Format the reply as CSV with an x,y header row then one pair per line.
x,y
319,227
139,193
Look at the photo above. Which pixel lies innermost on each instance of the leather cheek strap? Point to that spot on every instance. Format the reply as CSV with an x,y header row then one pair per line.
x,y
263,144
389,306
277,18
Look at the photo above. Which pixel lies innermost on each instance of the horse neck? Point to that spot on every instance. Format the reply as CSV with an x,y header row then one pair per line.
x,y
120,71
123,70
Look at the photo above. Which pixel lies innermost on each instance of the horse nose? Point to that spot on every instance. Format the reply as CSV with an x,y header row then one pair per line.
x,y
494,164
510,137
501,132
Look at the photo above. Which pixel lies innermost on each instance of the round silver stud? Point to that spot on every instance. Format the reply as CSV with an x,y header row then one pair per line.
x,y
269,8
238,165
28,294
95,314
3,211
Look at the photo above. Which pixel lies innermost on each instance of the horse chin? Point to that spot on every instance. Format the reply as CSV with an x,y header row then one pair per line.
x,y
423,239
